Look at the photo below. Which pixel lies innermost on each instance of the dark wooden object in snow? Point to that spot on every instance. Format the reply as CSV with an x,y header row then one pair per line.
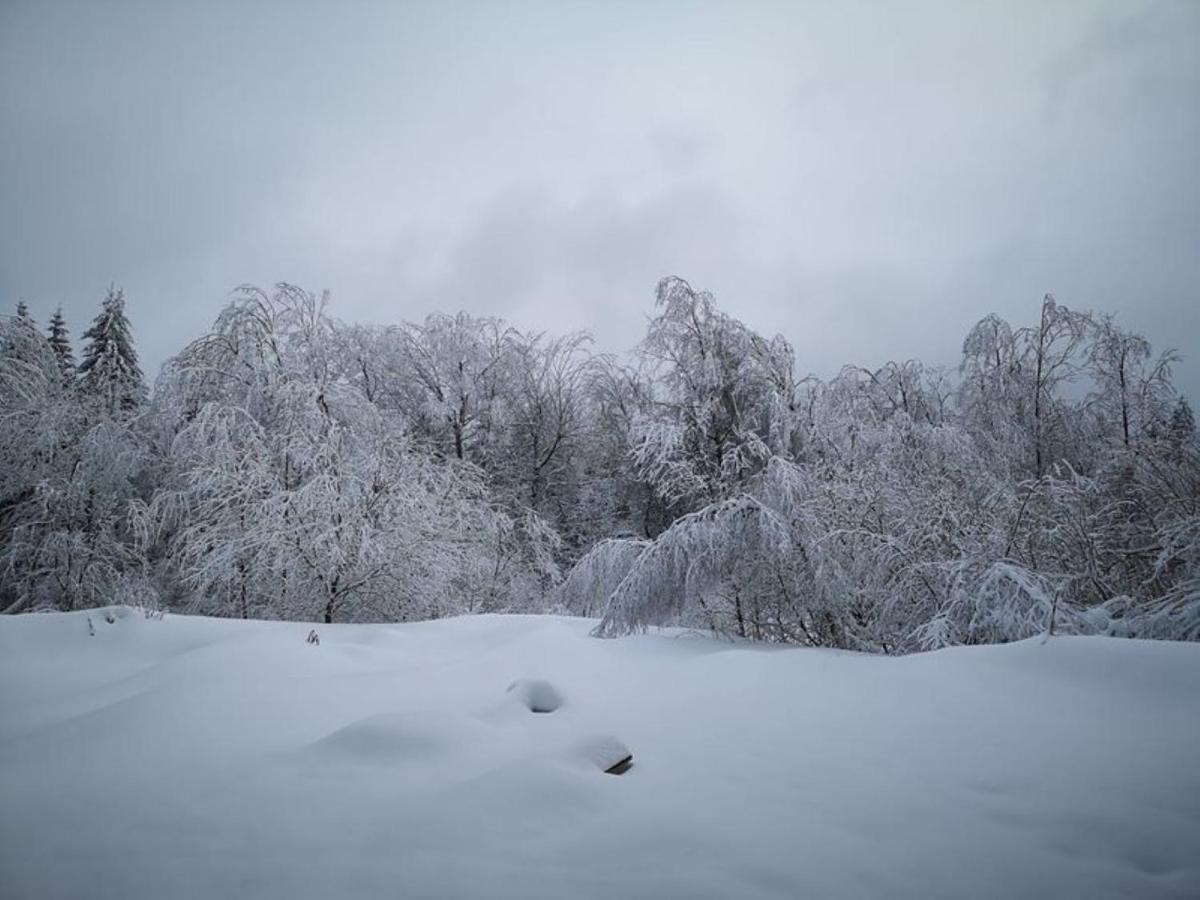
x,y
621,767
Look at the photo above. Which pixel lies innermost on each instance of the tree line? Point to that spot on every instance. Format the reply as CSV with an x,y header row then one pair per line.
x,y
288,465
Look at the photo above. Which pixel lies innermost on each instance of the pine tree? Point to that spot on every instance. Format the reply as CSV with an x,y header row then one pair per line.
x,y
110,370
61,344
23,311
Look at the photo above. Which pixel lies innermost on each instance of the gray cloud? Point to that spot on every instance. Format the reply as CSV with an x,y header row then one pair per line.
x,y
867,179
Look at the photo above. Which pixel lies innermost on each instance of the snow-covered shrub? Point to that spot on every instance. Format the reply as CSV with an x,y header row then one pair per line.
x,y
1176,614
997,602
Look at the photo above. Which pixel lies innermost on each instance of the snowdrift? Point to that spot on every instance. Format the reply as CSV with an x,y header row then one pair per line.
x,y
189,757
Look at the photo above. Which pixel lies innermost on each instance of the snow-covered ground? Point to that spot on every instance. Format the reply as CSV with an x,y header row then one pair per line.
x,y
191,757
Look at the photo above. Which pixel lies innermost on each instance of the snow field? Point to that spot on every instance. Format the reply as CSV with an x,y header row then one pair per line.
x,y
192,757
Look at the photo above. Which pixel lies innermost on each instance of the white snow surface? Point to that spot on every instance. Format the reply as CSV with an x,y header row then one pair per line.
x,y
190,757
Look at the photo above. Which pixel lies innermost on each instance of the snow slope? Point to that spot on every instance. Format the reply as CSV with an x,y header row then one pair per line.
x,y
191,757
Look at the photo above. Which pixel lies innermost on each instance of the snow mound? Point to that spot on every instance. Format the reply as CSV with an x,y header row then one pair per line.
x,y
604,752
537,695
389,738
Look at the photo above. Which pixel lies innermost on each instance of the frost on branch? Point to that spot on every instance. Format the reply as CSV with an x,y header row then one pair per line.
x,y
670,578
996,603
591,581
1176,614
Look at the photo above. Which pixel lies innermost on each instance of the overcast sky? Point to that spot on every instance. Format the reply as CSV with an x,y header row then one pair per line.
x,y
867,179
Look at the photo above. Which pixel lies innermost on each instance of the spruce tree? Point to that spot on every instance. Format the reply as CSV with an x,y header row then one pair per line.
x,y
110,370
23,311
1183,423
56,334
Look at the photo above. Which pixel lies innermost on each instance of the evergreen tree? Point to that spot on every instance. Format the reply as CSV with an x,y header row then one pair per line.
x,y
1183,423
23,311
60,343
110,369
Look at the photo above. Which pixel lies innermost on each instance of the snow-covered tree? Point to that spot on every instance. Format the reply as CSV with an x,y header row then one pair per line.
x,y
109,370
1182,428
65,487
291,494
289,465
1052,348
1133,395
29,386
60,343
723,395
452,385
71,545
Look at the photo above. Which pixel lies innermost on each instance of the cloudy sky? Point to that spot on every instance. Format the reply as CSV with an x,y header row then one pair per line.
x,y
868,179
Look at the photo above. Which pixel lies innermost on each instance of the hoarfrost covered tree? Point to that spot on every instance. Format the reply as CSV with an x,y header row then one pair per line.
x,y
1176,613
60,343
1052,348
546,419
903,513
289,465
109,370
29,385
291,494
510,403
719,404
1011,384
995,391
592,580
67,486
73,545
1182,428
814,562
612,499
1133,394
452,390
673,579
